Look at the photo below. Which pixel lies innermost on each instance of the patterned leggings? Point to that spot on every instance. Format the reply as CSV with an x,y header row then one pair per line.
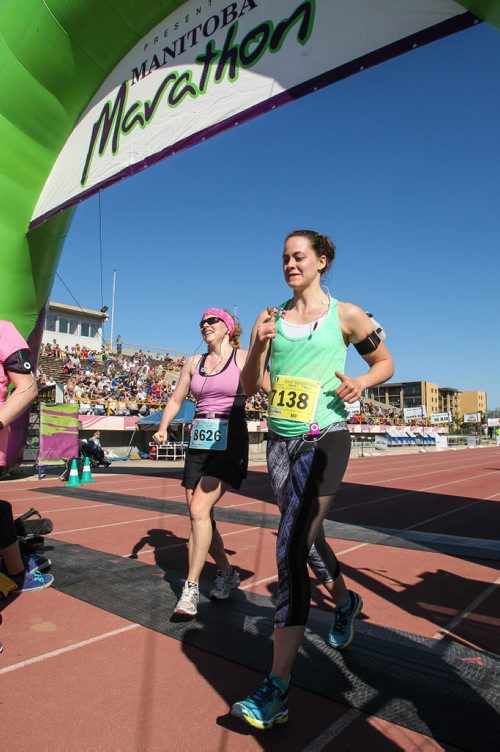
x,y
305,477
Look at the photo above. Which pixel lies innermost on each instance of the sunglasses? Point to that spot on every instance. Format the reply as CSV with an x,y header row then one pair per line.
x,y
210,320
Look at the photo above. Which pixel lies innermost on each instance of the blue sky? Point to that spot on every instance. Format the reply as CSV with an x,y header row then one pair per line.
x,y
398,164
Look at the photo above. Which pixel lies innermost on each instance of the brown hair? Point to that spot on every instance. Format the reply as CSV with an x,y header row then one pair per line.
x,y
235,339
322,245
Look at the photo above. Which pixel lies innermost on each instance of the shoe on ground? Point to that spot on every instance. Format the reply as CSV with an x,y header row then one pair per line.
x,y
31,562
29,582
266,707
342,630
224,583
36,562
188,602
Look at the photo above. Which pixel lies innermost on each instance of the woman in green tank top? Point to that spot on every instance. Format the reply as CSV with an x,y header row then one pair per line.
x,y
297,354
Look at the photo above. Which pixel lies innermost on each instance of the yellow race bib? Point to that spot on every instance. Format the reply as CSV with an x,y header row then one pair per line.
x,y
293,399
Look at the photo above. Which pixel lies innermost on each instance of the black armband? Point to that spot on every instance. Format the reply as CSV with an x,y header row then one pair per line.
x,y
368,344
19,362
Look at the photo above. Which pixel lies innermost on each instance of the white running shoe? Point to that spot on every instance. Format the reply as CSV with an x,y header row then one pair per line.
x,y
224,583
188,602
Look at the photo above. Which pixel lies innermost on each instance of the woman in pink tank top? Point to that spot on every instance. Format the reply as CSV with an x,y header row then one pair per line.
x,y
217,457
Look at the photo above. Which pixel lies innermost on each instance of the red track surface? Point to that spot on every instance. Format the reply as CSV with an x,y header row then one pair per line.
x,y
80,677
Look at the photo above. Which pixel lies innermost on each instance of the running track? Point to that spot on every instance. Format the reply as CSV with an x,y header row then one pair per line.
x,y
105,668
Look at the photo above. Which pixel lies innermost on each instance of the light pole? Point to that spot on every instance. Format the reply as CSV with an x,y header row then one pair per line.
x,y
113,309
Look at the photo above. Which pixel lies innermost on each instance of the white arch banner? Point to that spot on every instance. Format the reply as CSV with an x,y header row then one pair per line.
x,y
213,64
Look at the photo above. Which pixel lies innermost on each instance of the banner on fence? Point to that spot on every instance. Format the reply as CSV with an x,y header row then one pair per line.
x,y
438,418
472,417
414,412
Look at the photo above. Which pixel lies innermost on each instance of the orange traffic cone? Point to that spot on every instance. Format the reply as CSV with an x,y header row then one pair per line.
x,y
87,474
74,478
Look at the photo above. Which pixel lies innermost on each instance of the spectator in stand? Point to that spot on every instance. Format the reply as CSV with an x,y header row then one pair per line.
x,y
85,408
119,345
122,409
99,408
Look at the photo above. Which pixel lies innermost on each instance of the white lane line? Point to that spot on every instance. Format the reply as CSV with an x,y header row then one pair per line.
x,y
340,725
444,514
439,471
114,524
444,631
131,522
409,493
244,504
72,509
252,583
442,467
492,496
184,544
67,649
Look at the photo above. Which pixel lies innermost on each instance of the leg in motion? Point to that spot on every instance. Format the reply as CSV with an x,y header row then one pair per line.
x,y
206,494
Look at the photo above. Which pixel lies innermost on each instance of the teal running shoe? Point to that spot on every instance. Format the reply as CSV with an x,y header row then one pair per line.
x,y
266,707
342,630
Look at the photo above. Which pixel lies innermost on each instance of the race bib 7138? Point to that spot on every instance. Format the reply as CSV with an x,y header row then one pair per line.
x,y
293,398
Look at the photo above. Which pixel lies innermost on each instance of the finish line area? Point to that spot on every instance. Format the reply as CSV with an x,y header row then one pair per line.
x,y
107,667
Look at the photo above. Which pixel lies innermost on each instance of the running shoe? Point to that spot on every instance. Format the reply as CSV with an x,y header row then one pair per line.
x,y
342,630
224,583
28,582
31,562
266,707
36,562
188,602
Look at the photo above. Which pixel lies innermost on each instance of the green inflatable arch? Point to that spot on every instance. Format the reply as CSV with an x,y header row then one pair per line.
x,y
54,56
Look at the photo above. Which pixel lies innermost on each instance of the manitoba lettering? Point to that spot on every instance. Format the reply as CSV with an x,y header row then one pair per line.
x,y
191,38
119,118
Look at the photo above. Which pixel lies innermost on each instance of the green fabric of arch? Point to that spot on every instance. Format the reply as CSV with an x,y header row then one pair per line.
x,y
54,55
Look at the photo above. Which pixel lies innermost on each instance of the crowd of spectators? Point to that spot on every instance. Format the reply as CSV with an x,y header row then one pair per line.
x,y
104,383
376,415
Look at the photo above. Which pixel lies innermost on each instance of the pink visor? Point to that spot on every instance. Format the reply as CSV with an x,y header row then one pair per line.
x,y
223,316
